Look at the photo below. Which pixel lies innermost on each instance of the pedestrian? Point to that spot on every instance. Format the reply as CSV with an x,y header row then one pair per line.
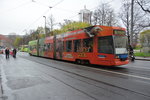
x,y
14,53
7,53
131,52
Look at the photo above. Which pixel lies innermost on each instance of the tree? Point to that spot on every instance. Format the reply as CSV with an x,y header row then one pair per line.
x,y
33,34
145,37
125,17
145,40
138,18
145,6
51,22
12,36
70,26
17,42
104,15
74,26
38,33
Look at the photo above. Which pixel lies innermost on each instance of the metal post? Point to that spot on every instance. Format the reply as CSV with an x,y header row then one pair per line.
x,y
131,34
54,46
37,43
128,28
45,27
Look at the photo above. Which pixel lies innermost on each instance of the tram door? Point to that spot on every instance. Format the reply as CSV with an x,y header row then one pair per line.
x,y
54,47
105,48
58,48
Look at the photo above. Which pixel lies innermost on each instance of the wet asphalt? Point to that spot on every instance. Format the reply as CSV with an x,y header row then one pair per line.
x,y
33,78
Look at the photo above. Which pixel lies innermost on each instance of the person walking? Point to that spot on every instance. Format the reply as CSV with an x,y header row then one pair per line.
x,y
14,52
131,53
7,53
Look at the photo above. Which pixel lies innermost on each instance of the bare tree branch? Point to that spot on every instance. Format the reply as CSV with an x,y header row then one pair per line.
x,y
144,9
141,25
104,15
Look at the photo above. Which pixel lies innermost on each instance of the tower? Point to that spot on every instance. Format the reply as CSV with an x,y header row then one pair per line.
x,y
85,15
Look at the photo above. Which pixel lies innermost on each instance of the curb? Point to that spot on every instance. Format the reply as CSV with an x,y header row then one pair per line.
x,y
1,90
142,59
1,87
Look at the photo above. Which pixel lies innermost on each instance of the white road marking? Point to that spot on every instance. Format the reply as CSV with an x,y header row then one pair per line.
x,y
140,77
140,67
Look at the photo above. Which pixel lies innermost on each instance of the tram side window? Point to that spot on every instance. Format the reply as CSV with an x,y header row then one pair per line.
x,y
41,47
51,46
64,46
68,46
30,47
88,45
105,45
45,47
48,46
77,45
34,47
59,46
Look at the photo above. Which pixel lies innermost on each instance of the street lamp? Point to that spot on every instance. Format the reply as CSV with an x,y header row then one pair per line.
x,y
45,27
38,44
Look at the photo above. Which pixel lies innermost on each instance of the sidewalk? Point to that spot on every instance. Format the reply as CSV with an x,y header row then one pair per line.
x,y
1,94
142,58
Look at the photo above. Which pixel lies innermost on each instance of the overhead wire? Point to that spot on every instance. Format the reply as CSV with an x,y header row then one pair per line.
x,y
37,19
58,3
42,4
66,10
77,13
21,5
43,13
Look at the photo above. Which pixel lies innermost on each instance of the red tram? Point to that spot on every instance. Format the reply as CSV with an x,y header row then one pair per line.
x,y
101,45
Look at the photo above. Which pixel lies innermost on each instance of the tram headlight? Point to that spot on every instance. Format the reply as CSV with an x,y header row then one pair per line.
x,y
117,57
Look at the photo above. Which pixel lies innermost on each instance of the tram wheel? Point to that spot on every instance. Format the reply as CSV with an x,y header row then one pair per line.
x,y
78,61
30,54
86,62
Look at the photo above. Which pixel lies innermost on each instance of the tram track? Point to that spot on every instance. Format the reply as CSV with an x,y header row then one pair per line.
x,y
89,78
126,70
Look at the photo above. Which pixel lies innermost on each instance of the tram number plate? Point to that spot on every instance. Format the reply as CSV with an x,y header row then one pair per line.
x,y
81,55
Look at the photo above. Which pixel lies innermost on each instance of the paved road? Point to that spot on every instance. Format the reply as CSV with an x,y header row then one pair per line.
x,y
33,78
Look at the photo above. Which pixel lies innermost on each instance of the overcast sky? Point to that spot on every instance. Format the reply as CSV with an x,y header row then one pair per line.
x,y
16,16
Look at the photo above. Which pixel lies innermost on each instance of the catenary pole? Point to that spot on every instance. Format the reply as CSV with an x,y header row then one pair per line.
x,y
132,13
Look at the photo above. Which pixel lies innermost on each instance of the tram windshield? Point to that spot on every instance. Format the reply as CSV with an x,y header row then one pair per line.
x,y
120,42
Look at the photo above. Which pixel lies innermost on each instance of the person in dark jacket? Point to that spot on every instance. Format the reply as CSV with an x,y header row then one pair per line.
x,y
131,50
131,53
7,53
14,52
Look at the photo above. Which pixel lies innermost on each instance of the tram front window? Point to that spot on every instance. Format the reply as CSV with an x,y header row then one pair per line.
x,y
120,42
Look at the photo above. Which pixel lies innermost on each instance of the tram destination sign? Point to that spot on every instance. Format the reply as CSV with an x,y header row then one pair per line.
x,y
119,32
